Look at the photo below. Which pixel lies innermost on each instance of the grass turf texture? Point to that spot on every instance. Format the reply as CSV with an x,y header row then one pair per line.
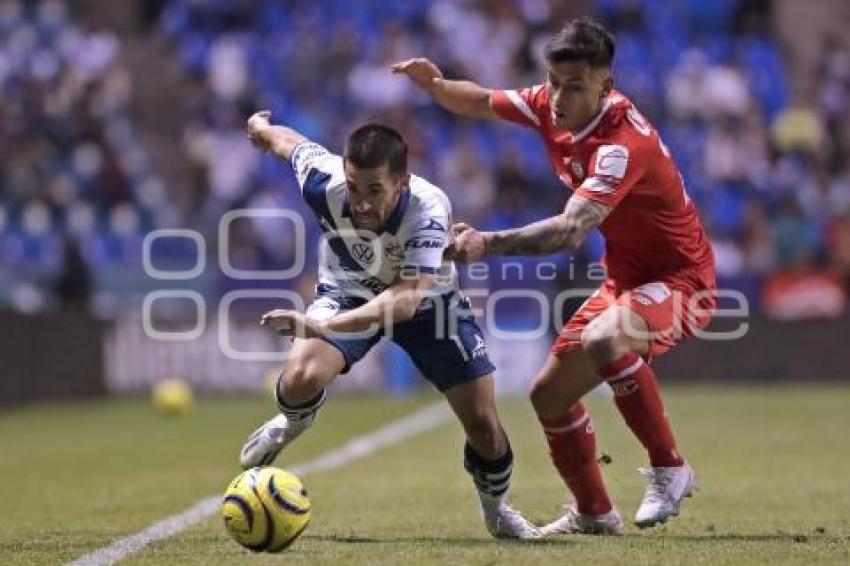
x,y
772,463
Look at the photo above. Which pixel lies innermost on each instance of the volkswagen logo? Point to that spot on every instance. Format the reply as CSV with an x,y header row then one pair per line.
x,y
364,252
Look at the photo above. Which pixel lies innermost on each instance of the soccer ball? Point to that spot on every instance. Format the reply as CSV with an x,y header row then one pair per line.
x,y
265,509
172,397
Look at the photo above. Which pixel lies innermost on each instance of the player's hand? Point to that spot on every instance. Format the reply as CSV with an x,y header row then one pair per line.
x,y
470,244
291,323
256,125
424,74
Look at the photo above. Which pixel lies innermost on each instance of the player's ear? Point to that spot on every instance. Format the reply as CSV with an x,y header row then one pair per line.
x,y
404,180
607,84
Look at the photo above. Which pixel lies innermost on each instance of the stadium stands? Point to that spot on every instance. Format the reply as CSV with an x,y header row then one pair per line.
x,y
767,164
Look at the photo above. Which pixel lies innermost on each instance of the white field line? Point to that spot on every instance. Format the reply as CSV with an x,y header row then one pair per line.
x,y
412,425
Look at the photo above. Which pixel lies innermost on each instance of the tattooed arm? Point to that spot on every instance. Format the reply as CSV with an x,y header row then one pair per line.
x,y
563,232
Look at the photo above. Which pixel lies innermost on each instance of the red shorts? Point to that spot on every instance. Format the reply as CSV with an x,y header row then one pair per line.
x,y
673,308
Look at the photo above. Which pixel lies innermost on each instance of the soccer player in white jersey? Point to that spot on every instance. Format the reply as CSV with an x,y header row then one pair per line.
x,y
381,273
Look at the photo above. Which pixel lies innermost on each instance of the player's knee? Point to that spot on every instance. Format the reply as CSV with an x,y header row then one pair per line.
x,y
549,399
539,394
603,338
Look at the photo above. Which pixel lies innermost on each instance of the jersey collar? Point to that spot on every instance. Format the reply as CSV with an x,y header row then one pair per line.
x,y
396,216
606,104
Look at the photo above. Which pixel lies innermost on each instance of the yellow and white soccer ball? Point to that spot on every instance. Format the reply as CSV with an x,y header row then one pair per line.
x,y
172,397
265,509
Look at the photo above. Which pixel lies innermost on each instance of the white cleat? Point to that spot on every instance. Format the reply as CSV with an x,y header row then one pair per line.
x,y
507,522
575,523
665,491
265,443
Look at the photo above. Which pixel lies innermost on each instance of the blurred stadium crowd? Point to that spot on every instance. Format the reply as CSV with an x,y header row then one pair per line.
x,y
767,164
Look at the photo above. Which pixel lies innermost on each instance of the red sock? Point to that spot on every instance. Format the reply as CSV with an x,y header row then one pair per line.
x,y
572,446
637,397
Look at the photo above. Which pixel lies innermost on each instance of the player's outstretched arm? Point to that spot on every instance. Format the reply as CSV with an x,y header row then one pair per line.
x,y
396,304
565,231
278,140
465,98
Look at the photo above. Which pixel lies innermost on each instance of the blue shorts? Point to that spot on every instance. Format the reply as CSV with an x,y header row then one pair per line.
x,y
443,341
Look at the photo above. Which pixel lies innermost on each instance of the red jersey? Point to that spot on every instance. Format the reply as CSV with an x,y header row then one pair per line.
x,y
618,159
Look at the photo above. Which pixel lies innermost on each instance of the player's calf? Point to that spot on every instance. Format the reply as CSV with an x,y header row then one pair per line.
x,y
488,457
485,435
298,384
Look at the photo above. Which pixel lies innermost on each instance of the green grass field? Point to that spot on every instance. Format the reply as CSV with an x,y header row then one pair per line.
x,y
774,469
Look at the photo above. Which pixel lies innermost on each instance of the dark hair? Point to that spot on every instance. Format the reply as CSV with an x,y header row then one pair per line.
x,y
581,40
373,145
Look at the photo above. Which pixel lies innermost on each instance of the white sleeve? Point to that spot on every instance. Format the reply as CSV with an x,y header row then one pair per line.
x,y
313,165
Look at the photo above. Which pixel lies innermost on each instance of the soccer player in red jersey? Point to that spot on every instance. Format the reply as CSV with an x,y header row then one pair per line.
x,y
660,268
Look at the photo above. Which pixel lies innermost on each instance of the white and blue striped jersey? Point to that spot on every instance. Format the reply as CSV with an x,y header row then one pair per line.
x,y
362,263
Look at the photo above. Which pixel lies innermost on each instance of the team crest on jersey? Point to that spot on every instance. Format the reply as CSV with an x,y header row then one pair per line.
x,y
364,252
394,251
577,169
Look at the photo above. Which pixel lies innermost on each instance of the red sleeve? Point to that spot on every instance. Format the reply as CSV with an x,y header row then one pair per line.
x,y
614,170
522,107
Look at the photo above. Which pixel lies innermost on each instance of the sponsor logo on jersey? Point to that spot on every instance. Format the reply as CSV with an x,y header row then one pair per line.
x,y
311,151
304,156
418,243
595,185
363,252
434,225
656,292
611,161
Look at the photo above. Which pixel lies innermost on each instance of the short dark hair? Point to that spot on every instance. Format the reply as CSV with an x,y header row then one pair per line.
x,y
581,40
372,145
